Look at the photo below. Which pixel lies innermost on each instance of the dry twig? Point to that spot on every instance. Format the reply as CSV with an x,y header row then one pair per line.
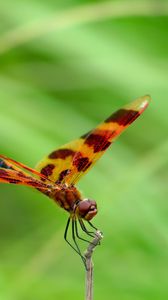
x,y
89,264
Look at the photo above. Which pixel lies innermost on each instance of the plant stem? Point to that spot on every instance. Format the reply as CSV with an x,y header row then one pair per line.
x,y
89,264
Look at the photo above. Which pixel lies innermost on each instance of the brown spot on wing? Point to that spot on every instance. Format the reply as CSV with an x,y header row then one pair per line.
x,y
98,142
61,153
47,170
123,117
81,163
62,175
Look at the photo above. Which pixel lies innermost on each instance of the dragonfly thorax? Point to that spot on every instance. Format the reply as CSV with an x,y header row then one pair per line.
x,y
66,197
86,209
70,199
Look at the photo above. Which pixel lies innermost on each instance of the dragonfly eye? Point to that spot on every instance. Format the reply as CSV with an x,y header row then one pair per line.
x,y
87,209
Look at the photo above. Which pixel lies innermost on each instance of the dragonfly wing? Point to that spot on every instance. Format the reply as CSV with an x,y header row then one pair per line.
x,y
96,142
57,164
9,163
71,161
8,175
11,172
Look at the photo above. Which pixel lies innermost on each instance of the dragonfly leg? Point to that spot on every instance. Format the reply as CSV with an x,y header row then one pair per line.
x,y
76,249
66,233
75,242
90,233
93,227
77,234
83,227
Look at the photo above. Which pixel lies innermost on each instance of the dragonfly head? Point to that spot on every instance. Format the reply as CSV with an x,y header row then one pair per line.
x,y
86,209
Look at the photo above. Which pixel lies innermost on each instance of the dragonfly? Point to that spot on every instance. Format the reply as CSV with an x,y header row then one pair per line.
x,y
57,174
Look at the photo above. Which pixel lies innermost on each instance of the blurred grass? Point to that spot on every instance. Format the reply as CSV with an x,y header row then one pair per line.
x,y
65,66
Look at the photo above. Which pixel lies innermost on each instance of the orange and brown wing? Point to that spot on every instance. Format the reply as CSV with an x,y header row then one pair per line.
x,y
68,163
18,177
11,172
9,163
98,140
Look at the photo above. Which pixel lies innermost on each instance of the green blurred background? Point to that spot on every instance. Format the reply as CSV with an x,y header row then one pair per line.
x,y
65,66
